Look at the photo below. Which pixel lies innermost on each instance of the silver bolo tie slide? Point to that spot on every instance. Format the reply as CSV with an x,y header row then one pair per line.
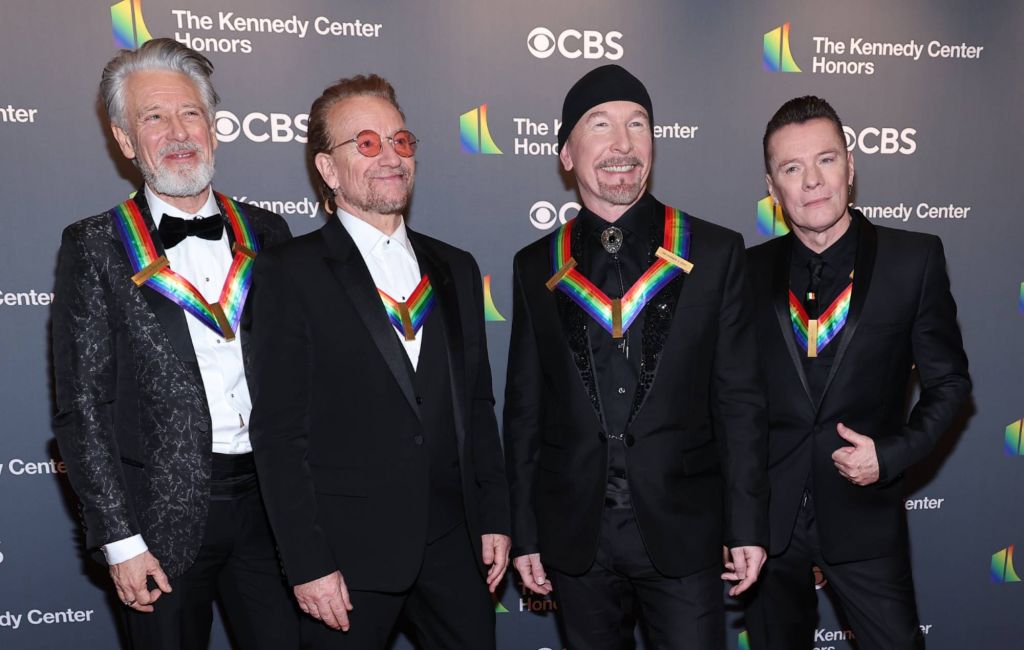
x,y
611,239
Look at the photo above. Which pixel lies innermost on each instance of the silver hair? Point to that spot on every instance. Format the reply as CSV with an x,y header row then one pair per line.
x,y
157,54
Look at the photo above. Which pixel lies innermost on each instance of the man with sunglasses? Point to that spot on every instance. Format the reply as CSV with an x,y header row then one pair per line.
x,y
374,430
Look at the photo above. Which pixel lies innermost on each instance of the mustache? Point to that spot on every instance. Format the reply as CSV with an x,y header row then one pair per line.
x,y
617,161
400,171
175,147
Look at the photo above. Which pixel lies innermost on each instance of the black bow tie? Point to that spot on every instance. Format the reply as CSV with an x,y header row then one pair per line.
x,y
174,230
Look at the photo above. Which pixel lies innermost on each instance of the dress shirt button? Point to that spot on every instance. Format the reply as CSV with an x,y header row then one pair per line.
x,y
417,439
630,440
601,436
622,391
217,341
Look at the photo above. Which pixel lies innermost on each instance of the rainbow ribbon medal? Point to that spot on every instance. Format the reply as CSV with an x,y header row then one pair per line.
x,y
155,271
616,315
815,333
408,317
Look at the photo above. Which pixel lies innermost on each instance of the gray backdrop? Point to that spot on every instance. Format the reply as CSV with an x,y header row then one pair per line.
x,y
940,130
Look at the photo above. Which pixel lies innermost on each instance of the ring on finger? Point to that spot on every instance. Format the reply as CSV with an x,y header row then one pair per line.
x,y
129,603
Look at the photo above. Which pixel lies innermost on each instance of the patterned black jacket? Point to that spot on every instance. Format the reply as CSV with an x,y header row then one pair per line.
x,y
132,420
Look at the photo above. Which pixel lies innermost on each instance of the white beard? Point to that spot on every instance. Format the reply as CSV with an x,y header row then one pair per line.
x,y
186,181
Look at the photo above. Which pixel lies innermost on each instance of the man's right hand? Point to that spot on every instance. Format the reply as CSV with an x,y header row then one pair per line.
x,y
326,599
130,581
532,573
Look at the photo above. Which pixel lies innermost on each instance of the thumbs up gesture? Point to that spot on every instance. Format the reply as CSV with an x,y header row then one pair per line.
x,y
857,463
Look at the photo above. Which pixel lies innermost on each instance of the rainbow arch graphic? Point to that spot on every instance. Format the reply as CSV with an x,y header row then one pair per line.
x,y
777,56
770,220
1013,438
129,27
474,133
1002,566
491,313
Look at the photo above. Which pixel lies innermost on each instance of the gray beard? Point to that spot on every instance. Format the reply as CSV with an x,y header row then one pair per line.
x,y
622,194
187,182
376,203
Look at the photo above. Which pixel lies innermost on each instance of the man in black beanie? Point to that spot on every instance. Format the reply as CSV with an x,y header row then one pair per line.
x,y
634,423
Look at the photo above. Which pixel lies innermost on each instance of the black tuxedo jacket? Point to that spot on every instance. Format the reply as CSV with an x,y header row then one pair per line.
x,y
696,435
901,314
132,420
336,427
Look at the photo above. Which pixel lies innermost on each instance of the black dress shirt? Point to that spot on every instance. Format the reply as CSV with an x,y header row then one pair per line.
x,y
835,276
617,361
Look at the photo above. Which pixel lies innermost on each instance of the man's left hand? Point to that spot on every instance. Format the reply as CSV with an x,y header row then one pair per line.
x,y
743,565
857,464
495,555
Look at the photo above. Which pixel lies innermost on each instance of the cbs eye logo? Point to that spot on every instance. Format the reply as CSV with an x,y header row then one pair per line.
x,y
881,140
572,44
545,216
261,127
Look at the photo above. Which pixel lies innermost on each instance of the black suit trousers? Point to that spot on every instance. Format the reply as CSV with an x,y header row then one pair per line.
x,y
447,607
238,565
599,610
876,596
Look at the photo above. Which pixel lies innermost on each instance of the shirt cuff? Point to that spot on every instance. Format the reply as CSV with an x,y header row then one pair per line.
x,y
124,549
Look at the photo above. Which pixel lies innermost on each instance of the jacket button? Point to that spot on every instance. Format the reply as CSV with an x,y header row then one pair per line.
x,y
418,439
630,440
202,426
419,400
601,436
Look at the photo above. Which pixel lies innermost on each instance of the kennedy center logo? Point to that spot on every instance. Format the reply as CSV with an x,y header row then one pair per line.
x,y
1002,566
1013,438
474,133
777,55
770,221
130,29
491,312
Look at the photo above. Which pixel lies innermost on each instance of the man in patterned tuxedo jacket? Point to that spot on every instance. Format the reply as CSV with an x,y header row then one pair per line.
x,y
152,397
634,425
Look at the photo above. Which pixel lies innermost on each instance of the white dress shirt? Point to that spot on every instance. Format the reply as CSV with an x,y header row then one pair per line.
x,y
204,263
392,264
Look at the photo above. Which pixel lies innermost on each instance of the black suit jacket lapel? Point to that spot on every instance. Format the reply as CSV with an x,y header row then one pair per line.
x,y
348,268
170,315
574,325
780,301
447,298
863,266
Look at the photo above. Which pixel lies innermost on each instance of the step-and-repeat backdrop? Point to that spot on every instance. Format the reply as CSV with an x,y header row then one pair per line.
x,y
930,92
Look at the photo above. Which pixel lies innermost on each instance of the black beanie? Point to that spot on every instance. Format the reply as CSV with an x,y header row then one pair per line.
x,y
609,83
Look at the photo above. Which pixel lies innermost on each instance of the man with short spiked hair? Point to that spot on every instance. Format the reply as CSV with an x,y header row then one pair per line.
x,y
845,309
